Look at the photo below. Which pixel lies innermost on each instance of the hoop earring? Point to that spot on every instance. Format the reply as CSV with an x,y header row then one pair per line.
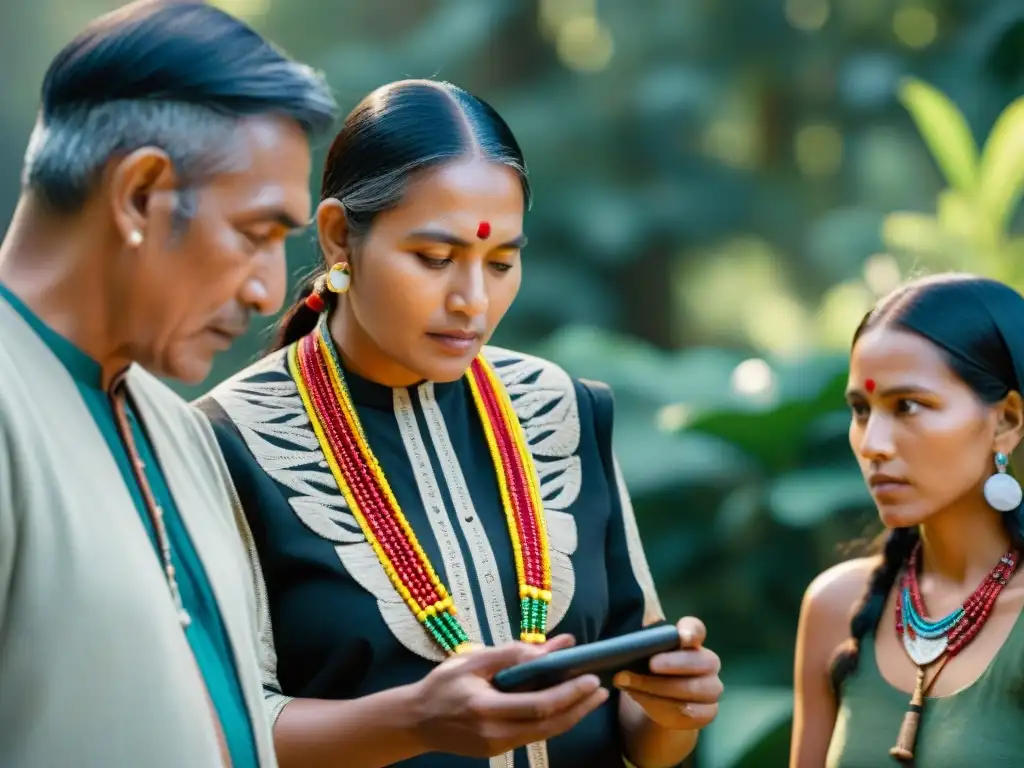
x,y
1002,491
339,278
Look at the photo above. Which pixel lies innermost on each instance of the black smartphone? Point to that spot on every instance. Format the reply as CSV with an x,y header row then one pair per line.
x,y
605,658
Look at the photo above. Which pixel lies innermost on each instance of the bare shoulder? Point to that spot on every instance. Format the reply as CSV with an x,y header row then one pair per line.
x,y
824,627
829,600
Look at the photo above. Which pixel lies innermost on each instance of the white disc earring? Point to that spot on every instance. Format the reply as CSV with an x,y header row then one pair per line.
x,y
135,238
339,278
1002,491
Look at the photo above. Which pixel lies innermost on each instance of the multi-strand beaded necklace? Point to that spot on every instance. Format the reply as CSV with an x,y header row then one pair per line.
x,y
927,642
317,371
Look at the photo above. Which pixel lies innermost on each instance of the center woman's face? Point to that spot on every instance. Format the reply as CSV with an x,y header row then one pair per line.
x,y
436,274
924,440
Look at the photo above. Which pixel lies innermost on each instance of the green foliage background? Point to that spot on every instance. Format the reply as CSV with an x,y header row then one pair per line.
x,y
723,187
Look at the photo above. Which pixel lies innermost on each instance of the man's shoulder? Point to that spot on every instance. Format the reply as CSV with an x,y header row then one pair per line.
x,y
157,393
137,376
167,411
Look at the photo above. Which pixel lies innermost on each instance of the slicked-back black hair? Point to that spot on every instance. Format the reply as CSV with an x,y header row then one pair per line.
x,y
164,73
400,130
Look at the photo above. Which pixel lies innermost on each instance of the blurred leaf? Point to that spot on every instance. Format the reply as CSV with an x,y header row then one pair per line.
x,y
1001,174
654,460
958,215
830,392
751,730
913,233
609,219
1014,250
772,749
739,508
945,131
805,497
636,369
837,241
831,426
776,437
557,293
771,436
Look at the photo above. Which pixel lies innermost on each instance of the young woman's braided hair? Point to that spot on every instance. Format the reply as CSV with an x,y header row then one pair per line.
x,y
977,324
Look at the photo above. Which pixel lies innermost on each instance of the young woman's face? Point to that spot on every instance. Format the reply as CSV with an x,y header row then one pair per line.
x,y
436,274
924,440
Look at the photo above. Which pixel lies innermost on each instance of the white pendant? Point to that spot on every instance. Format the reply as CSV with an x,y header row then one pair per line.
x,y
338,280
1002,492
923,651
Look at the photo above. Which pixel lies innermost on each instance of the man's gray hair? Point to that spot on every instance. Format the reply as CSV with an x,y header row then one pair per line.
x,y
67,156
178,75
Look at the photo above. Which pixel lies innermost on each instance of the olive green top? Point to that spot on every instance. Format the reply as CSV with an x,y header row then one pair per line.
x,y
980,725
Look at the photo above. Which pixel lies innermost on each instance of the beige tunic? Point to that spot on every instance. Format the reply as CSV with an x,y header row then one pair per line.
x,y
95,671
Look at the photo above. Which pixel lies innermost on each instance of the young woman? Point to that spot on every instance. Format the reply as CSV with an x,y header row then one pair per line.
x,y
423,510
929,668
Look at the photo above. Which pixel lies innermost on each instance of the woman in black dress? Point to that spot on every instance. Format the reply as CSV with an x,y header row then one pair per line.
x,y
410,494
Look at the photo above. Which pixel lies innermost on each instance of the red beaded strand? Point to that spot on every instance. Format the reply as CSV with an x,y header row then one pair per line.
x,y
523,500
367,491
318,376
519,493
977,608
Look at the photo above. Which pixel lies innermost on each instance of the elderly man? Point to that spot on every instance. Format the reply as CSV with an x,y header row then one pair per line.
x,y
169,162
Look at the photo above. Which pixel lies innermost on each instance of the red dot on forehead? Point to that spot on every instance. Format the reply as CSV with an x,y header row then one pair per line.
x,y
483,231
869,385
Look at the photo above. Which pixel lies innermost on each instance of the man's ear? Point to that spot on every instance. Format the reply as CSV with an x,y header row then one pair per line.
x,y
134,181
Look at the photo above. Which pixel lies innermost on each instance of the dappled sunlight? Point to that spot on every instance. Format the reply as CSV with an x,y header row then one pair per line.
x,y
818,149
250,10
807,15
915,27
842,308
732,134
881,273
585,44
753,378
737,291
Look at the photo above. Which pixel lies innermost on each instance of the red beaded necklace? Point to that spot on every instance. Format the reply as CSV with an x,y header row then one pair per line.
x,y
971,617
927,642
317,371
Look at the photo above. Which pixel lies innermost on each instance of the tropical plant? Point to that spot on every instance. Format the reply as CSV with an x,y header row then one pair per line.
x,y
970,228
803,474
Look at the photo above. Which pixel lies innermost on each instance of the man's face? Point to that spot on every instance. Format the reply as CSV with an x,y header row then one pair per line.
x,y
196,281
